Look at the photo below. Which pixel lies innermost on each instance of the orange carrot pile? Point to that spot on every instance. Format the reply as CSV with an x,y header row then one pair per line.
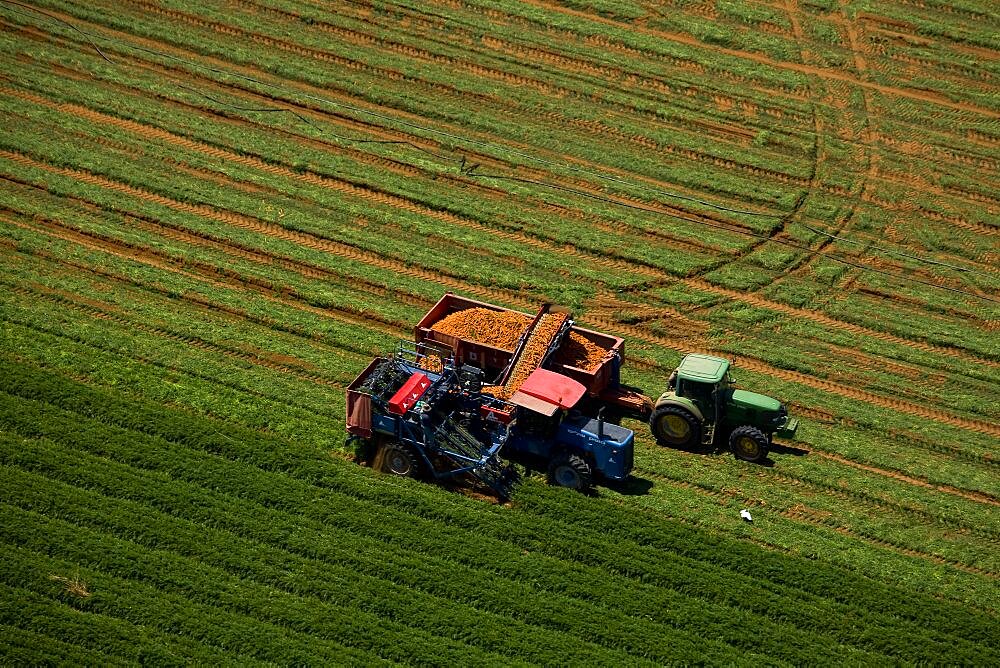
x,y
500,329
534,350
579,351
431,363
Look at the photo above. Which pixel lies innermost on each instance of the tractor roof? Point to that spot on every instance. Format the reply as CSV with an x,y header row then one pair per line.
x,y
703,368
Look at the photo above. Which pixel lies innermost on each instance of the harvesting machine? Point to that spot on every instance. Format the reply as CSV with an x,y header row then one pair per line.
x,y
452,405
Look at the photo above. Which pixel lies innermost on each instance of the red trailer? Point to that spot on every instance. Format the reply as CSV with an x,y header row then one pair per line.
x,y
603,381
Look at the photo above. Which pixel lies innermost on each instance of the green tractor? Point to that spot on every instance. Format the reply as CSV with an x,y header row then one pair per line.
x,y
703,406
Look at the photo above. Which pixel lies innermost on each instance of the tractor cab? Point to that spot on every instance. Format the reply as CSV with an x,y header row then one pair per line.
x,y
702,402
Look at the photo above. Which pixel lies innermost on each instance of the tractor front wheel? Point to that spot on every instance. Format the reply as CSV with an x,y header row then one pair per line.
x,y
749,444
567,470
672,425
398,459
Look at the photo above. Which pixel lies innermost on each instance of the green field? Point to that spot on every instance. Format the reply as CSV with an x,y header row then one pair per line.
x,y
215,214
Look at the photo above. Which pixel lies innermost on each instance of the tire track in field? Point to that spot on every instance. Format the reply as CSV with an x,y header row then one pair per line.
x,y
815,183
207,149
971,226
761,59
256,225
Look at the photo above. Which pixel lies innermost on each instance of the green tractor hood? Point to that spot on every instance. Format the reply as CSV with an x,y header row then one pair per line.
x,y
753,402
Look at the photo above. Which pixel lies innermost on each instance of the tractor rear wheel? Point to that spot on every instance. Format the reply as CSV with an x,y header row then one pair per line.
x,y
672,425
399,459
568,470
749,444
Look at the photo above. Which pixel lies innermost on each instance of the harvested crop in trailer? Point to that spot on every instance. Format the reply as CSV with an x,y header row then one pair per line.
x,y
534,350
431,363
580,352
500,329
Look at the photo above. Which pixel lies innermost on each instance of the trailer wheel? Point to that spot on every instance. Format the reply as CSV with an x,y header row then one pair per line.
x,y
398,459
749,444
568,470
672,425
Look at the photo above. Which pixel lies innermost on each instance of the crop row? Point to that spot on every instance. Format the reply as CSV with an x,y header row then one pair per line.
x,y
936,472
306,576
513,125
646,540
43,624
209,397
137,305
652,380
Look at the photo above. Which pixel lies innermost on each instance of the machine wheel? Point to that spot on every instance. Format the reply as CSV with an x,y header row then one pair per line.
x,y
399,459
749,444
672,425
568,470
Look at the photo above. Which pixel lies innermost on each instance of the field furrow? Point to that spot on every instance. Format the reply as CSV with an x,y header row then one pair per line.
x,y
215,215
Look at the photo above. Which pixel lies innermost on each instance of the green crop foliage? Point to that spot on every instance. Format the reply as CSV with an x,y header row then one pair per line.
x,y
205,236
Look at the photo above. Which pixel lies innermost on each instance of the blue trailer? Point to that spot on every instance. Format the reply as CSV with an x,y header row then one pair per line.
x,y
424,415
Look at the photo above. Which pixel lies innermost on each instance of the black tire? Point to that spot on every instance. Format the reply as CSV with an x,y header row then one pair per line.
x,y
400,460
749,444
672,425
568,470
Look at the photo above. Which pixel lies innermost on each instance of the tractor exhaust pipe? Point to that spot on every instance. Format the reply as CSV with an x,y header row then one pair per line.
x,y
600,423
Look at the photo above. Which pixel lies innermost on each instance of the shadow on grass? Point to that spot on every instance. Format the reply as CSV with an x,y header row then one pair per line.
x,y
633,486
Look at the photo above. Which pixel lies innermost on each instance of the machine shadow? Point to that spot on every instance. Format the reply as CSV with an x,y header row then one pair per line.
x,y
784,449
633,486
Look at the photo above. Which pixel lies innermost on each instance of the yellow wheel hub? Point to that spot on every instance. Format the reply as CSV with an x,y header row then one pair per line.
x,y
676,426
747,446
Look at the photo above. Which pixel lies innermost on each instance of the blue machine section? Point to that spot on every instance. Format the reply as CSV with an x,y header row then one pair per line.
x,y
456,429
610,445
